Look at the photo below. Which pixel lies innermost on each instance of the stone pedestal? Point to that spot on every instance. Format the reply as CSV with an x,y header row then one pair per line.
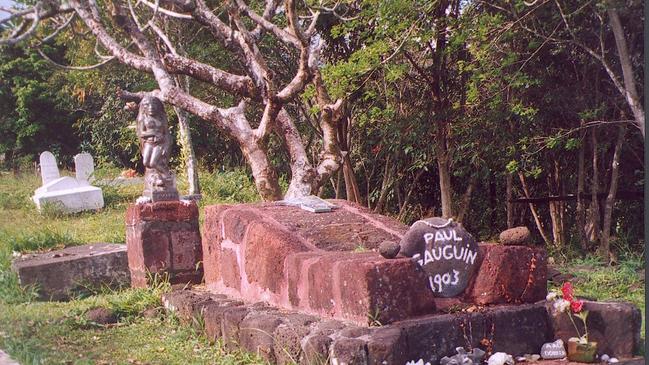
x,y
163,238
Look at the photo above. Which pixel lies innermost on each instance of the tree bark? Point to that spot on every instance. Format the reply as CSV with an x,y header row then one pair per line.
x,y
537,220
604,246
443,167
593,218
187,147
406,200
556,216
581,207
344,139
631,93
466,199
386,183
510,196
262,171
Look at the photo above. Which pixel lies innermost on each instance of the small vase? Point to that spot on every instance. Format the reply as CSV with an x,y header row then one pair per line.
x,y
582,352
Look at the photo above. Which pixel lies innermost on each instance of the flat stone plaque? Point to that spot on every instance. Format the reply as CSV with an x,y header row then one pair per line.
x,y
553,350
310,203
446,251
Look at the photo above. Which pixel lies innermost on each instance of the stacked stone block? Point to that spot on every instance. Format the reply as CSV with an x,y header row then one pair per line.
x,y
163,238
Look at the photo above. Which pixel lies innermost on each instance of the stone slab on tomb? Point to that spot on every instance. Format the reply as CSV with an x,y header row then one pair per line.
x,y
63,274
327,264
163,238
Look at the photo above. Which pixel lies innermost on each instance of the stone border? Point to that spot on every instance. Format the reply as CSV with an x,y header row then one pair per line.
x,y
285,337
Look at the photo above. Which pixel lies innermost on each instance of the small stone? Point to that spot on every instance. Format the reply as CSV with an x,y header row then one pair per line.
x,y
151,313
605,358
553,350
532,358
521,359
500,358
613,360
515,236
101,316
389,249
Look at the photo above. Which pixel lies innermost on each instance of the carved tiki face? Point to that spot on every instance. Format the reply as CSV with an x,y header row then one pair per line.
x,y
152,116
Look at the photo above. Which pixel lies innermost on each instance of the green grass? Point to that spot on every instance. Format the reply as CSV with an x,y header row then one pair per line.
x,y
58,333
595,280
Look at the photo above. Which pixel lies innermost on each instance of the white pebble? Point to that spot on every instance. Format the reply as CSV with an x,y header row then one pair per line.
x,y
604,357
613,360
500,358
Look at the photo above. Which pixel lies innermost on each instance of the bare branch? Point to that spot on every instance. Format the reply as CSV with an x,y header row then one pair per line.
x,y
16,14
283,35
126,57
164,11
254,60
19,38
163,36
239,85
78,68
269,13
293,23
59,29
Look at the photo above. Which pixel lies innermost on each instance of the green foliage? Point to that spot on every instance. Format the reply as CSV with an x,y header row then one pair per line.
x,y
34,112
227,187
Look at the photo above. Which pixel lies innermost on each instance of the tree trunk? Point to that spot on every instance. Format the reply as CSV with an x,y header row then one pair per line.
x,y
339,183
581,207
510,204
302,172
593,216
344,138
443,167
351,186
466,199
631,94
604,246
187,150
262,171
386,183
556,215
537,220
406,200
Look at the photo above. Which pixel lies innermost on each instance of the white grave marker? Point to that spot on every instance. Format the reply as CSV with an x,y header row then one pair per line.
x,y
84,167
49,170
67,193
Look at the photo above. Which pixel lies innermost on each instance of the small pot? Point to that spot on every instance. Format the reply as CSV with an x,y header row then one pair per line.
x,y
582,352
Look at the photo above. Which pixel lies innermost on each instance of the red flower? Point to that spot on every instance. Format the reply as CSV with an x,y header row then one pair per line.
x,y
577,306
567,291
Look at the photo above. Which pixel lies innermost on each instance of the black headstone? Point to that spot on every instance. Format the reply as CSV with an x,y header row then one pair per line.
x,y
446,251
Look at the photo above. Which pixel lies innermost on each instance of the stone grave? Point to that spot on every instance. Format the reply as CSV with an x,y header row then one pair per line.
x,y
298,286
63,274
68,194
